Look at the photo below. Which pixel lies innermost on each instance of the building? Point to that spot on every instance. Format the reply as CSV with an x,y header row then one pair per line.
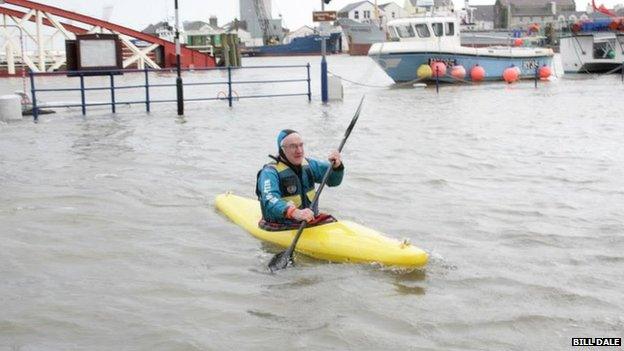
x,y
519,14
421,6
197,33
482,17
260,24
390,11
362,11
366,12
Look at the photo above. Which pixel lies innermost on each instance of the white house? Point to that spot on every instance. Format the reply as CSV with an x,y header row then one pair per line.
x,y
366,12
390,11
362,11
421,6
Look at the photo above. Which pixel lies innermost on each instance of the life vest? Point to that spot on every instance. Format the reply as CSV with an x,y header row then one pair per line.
x,y
298,190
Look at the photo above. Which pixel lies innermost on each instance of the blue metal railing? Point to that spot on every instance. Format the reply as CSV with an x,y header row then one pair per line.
x,y
148,101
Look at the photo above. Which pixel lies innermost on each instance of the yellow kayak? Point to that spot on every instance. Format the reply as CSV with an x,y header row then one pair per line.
x,y
341,241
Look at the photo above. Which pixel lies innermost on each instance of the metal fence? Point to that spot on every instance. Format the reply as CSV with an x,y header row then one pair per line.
x,y
147,100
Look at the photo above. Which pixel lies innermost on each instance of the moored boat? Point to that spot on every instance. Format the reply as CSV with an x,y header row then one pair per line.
x,y
593,46
418,41
308,45
361,36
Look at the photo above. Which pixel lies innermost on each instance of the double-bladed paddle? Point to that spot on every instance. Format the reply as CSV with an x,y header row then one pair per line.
x,y
282,259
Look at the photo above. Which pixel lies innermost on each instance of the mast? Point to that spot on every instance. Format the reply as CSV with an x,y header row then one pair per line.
x,y
377,15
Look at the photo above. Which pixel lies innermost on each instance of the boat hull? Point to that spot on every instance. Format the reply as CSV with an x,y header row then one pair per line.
x,y
309,45
402,67
360,36
582,53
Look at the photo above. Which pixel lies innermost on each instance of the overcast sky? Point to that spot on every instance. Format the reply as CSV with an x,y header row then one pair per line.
x,y
137,14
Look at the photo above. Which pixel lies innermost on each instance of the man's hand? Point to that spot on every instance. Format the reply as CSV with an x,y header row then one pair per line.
x,y
335,159
303,215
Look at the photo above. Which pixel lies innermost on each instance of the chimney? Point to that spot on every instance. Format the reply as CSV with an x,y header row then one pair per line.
x,y
213,21
553,7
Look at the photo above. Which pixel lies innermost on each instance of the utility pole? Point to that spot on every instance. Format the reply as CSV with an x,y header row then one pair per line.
x,y
324,93
179,85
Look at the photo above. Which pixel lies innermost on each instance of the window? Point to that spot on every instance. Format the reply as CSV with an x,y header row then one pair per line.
x,y
393,15
604,50
450,29
438,30
392,33
423,30
356,14
366,14
405,31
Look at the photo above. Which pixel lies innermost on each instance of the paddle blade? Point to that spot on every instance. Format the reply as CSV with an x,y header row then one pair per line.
x,y
280,261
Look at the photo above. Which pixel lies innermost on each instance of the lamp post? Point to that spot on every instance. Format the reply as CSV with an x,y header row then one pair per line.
x,y
179,86
324,94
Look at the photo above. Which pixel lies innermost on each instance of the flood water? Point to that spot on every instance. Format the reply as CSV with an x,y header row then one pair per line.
x,y
109,239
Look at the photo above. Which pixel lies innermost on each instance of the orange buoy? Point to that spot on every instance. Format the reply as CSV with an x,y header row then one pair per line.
x,y
477,73
458,72
518,42
545,72
438,68
510,74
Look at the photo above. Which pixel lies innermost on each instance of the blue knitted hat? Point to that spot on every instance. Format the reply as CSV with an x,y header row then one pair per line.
x,y
283,134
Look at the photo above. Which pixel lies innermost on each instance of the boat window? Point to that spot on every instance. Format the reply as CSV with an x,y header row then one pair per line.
x,y
392,32
604,50
405,31
450,29
437,29
422,30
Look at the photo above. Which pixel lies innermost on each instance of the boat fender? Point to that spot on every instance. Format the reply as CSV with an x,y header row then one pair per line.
x,y
438,69
424,72
510,74
477,73
544,72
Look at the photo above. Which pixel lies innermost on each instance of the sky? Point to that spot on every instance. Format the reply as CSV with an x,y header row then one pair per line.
x,y
137,14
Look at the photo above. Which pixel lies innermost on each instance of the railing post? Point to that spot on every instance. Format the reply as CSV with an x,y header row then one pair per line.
x,y
622,70
82,95
147,92
230,85
309,89
112,89
437,79
536,75
33,92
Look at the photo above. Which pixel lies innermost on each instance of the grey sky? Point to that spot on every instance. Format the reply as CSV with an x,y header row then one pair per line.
x,y
137,14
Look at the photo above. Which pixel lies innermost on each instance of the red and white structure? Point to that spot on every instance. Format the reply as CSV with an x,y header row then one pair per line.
x,y
28,20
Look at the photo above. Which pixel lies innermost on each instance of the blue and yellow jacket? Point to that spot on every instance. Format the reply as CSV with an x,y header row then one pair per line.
x,y
278,184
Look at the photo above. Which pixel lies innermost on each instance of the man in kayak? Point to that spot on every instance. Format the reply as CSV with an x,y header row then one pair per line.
x,y
285,187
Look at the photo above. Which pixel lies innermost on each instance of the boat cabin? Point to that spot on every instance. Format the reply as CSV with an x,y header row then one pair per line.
x,y
434,28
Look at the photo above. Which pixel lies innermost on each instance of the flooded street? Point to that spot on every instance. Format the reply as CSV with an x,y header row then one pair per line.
x,y
109,238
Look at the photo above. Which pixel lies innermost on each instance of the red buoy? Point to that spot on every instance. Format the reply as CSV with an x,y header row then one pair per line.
x,y
545,72
518,42
477,73
510,74
458,72
438,68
